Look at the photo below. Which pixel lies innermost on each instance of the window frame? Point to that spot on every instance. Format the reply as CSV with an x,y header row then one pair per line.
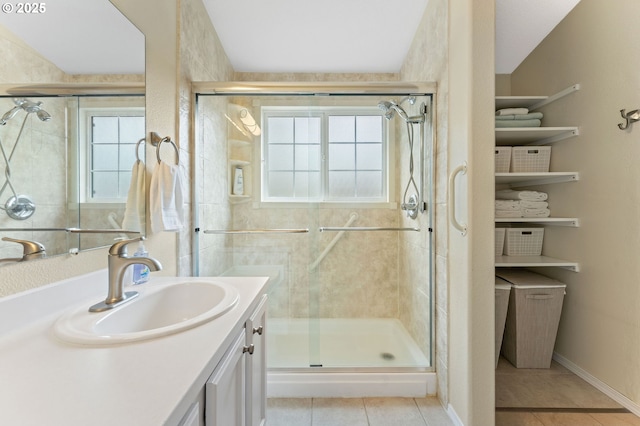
x,y
86,114
324,112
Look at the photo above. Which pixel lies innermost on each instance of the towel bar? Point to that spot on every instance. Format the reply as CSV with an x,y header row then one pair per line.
x,y
256,231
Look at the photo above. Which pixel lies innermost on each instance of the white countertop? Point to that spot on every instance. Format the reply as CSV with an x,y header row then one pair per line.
x,y
44,381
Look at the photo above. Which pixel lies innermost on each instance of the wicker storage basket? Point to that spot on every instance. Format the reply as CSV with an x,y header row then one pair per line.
x,y
527,159
523,241
499,241
503,159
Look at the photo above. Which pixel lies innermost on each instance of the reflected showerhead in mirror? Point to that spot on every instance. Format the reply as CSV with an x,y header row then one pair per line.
x,y
9,115
27,106
43,115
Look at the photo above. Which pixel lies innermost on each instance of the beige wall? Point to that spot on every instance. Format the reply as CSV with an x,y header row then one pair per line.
x,y
594,46
470,256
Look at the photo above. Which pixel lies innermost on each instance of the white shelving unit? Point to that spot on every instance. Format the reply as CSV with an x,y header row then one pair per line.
x,y
533,179
534,136
534,261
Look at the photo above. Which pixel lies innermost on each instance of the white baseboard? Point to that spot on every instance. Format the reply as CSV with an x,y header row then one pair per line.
x,y
454,416
598,384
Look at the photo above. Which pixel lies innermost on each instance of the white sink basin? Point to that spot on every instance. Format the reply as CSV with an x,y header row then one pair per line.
x,y
158,311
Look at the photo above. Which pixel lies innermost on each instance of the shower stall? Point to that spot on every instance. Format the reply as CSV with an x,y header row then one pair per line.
x,y
327,190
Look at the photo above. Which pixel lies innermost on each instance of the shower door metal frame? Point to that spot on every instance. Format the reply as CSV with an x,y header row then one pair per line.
x,y
382,89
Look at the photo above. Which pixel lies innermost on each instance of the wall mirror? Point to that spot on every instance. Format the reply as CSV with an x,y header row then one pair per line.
x,y
72,126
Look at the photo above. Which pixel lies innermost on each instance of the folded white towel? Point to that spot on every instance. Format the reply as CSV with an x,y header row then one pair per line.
x,y
510,194
134,211
507,205
526,204
512,111
508,213
166,198
536,213
530,116
501,124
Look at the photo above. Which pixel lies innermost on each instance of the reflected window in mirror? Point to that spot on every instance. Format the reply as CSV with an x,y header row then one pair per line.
x,y
109,139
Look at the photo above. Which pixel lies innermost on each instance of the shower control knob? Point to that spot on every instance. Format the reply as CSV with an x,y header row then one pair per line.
x,y
258,330
249,349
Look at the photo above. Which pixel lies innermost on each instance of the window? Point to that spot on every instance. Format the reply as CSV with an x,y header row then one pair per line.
x,y
324,154
111,136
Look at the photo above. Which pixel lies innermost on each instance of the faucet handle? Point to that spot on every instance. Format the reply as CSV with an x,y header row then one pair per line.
x,y
120,248
29,248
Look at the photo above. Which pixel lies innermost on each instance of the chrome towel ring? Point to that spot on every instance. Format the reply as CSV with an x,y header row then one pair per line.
x,y
157,142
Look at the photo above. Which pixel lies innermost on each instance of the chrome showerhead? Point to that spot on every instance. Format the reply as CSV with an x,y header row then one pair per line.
x,y
390,107
29,107
43,115
411,99
9,115
387,108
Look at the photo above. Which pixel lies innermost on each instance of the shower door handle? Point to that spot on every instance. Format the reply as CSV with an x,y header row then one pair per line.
x,y
462,227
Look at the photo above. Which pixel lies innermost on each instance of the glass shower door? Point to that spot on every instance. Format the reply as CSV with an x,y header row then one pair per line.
x,y
356,286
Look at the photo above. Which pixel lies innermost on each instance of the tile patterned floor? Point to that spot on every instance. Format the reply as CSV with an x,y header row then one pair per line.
x,y
553,397
356,412
555,387
549,397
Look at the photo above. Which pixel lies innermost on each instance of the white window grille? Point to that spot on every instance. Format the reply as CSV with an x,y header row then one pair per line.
x,y
324,155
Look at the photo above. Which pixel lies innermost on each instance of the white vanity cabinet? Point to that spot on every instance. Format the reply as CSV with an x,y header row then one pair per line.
x,y
256,380
236,391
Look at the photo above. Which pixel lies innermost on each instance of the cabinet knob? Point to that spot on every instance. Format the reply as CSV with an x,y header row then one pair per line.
x,y
258,330
249,349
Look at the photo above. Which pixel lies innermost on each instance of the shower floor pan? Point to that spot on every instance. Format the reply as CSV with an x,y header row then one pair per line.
x,y
347,358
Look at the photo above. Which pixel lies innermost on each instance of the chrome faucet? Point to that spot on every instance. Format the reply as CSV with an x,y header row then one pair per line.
x,y
30,250
118,263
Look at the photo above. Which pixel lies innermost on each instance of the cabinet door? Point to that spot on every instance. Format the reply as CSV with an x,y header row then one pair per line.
x,y
256,403
225,389
192,418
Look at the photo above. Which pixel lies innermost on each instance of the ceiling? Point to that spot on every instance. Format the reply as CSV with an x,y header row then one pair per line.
x,y
359,35
338,36
521,25
81,36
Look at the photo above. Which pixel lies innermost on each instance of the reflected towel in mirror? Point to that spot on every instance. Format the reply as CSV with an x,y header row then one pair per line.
x,y
134,210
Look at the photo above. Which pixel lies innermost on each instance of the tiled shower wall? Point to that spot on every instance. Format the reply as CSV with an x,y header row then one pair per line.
x,y
201,58
427,60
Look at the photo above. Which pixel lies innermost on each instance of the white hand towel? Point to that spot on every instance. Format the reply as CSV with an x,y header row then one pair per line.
x,y
134,210
536,213
509,194
166,198
512,111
